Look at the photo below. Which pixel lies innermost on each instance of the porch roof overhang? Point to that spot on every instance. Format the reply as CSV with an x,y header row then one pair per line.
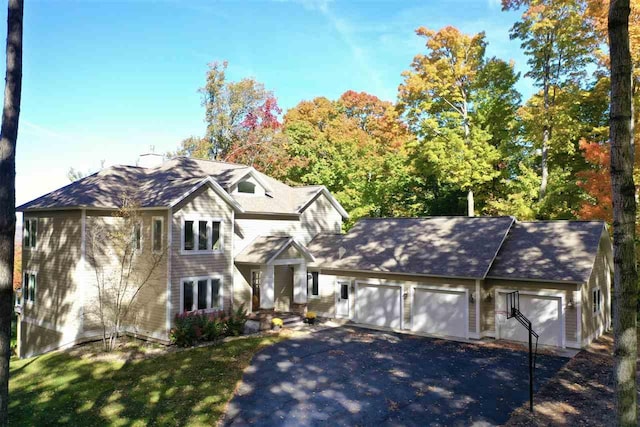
x,y
268,249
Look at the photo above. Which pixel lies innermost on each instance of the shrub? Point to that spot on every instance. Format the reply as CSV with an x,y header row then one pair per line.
x,y
277,322
236,321
185,331
310,315
214,328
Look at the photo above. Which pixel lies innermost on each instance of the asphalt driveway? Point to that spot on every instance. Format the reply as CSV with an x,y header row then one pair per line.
x,y
352,376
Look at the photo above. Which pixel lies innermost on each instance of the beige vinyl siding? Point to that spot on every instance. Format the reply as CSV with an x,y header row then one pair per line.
x,y
149,307
56,262
487,306
290,253
325,303
593,324
36,339
242,286
207,204
319,217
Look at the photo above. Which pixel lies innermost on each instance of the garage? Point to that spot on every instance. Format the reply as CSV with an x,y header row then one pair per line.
x,y
545,314
439,312
379,305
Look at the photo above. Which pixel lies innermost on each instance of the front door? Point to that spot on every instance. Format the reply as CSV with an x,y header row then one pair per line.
x,y
342,299
255,287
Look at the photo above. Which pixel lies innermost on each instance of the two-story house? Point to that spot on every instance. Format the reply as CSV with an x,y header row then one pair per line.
x,y
230,235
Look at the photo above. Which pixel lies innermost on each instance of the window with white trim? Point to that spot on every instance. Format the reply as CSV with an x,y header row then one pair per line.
x,y
313,284
246,187
29,287
157,231
597,301
30,233
202,235
201,293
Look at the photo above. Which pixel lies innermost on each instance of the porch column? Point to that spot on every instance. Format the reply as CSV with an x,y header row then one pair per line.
x,y
267,294
300,283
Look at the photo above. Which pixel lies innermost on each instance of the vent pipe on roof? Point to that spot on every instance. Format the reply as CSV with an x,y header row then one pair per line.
x,y
470,204
341,252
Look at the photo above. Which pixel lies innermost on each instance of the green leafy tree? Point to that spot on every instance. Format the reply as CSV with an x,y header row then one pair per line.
x,y
462,107
227,105
559,42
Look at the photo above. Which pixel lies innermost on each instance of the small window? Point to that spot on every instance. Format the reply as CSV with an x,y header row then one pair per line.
x,y
202,294
215,225
187,292
597,301
202,235
30,232
188,236
246,187
255,278
216,301
157,229
28,287
344,291
313,284
137,236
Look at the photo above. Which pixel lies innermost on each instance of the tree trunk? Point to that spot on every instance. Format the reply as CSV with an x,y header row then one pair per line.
x,y
546,132
624,215
8,139
470,204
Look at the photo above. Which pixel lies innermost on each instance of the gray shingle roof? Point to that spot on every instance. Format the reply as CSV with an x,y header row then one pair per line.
x,y
264,248
433,246
549,250
160,186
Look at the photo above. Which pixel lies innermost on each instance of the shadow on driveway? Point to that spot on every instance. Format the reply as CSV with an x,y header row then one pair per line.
x,y
350,376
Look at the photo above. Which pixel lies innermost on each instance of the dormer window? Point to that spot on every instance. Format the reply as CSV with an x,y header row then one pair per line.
x,y
246,187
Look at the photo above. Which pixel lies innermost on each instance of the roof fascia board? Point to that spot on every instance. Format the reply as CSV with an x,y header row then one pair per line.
x,y
291,241
320,267
90,208
524,279
254,173
495,255
216,187
332,200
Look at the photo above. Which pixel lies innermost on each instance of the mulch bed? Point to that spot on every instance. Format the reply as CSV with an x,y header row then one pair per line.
x,y
581,393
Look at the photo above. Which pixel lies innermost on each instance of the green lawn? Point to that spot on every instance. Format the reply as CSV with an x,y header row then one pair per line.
x,y
189,387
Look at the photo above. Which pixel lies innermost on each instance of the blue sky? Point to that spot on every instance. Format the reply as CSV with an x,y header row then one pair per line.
x,y
105,80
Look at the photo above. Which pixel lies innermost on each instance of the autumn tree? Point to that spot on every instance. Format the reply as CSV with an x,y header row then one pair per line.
x,y
625,278
355,145
559,42
8,140
460,105
228,106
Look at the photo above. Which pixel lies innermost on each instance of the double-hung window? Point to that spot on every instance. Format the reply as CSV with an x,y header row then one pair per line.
x,y
30,233
201,293
29,287
201,235
597,301
313,284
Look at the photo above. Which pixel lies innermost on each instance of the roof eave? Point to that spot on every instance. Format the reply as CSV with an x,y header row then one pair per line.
x,y
216,187
334,202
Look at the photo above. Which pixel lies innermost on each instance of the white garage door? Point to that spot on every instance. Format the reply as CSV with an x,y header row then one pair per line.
x,y
379,305
439,312
544,314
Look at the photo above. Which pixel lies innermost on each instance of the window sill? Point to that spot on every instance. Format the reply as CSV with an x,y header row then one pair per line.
x,y
186,252
205,311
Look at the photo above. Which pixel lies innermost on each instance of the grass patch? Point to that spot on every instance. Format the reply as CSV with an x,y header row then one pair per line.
x,y
190,387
